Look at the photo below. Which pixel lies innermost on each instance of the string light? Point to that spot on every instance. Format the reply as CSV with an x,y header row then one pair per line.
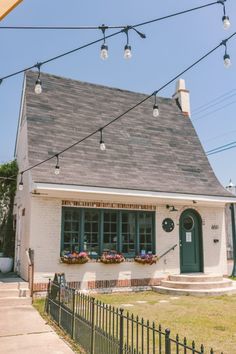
x,y
21,185
155,111
100,39
225,18
102,144
38,83
57,167
127,50
133,107
227,60
104,46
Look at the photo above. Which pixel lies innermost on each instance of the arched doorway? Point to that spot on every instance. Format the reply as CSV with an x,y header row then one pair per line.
x,y
191,248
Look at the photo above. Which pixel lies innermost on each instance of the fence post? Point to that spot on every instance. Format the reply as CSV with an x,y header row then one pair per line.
x,y
92,315
47,303
121,331
167,341
73,315
59,299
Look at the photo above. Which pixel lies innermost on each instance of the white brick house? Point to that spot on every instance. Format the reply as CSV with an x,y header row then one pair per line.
x,y
152,188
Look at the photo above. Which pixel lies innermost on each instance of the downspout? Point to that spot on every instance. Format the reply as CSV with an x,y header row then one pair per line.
x,y
232,208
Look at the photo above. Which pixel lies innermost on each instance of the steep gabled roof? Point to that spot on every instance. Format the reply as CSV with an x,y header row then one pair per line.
x,y
143,152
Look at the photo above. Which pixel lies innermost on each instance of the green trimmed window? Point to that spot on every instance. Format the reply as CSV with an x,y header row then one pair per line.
x,y
96,230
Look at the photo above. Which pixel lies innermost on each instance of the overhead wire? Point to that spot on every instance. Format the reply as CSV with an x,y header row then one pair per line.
x,y
122,30
214,111
221,148
216,99
131,108
111,27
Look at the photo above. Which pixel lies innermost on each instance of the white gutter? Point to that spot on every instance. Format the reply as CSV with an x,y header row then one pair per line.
x,y
48,187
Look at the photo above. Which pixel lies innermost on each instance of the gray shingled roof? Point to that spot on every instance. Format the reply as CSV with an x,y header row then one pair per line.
x,y
143,152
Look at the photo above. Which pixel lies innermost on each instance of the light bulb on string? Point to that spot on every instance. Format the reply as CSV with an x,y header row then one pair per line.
x,y
225,18
227,60
57,167
104,52
21,185
155,111
226,22
38,84
104,46
102,144
127,52
127,49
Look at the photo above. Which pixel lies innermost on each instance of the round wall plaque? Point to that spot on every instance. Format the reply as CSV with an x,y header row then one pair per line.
x,y
168,225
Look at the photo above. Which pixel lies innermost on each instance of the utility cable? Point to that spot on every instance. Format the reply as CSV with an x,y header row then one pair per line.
x,y
204,106
216,103
221,148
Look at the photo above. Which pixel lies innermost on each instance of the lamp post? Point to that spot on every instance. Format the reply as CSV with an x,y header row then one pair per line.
x,y
232,188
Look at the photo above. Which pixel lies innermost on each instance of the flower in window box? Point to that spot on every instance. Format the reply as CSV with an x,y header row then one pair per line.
x,y
111,257
146,259
75,258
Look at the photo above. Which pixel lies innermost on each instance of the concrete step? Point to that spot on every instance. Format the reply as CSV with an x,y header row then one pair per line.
x,y
14,285
15,301
199,277
14,292
194,292
223,283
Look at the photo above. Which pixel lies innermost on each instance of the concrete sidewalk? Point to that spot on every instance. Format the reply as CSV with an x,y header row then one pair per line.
x,y
23,331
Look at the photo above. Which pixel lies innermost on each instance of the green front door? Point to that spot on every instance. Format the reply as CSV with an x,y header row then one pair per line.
x,y
191,258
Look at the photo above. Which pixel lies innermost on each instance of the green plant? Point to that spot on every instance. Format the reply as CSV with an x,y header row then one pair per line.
x,y
8,173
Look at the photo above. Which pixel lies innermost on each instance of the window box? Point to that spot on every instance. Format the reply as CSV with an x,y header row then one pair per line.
x,y
146,259
111,257
75,258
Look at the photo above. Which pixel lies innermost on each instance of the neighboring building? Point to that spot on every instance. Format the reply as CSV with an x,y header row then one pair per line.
x,y
153,187
232,189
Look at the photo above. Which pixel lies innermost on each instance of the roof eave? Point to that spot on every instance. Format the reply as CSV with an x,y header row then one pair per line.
x,y
62,190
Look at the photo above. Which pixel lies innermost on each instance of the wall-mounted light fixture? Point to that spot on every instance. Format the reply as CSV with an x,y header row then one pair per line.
x,y
171,207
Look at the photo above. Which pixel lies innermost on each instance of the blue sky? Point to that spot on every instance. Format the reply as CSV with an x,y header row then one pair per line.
x,y
170,46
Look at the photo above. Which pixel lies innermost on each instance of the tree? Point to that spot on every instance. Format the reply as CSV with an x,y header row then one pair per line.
x,y
8,173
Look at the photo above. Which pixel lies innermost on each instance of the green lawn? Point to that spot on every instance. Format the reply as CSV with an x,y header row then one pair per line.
x,y
207,320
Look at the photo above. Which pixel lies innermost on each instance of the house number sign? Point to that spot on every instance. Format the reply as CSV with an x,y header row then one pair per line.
x,y
188,237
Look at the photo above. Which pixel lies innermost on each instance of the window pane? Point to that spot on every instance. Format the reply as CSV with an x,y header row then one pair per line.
x,y
128,235
75,226
145,232
91,236
70,230
67,237
110,230
67,226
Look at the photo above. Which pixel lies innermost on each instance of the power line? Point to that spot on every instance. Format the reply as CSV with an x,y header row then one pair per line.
x,y
110,27
214,111
104,28
221,148
216,101
128,110
220,136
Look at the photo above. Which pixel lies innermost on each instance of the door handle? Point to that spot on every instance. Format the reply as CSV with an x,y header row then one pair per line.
x,y
180,244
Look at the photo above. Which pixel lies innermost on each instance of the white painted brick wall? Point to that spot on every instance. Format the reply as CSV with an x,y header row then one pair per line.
x,y
22,202
46,236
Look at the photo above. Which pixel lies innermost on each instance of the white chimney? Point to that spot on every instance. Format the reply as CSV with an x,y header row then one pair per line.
x,y
182,95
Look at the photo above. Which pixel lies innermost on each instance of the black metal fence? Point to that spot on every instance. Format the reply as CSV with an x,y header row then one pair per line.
x,y
104,329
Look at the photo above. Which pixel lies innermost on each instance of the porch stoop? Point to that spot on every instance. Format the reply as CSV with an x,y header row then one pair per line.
x,y
14,291
196,285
